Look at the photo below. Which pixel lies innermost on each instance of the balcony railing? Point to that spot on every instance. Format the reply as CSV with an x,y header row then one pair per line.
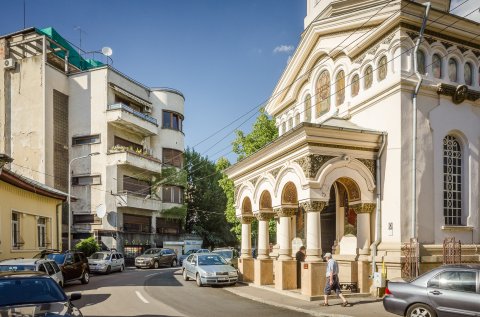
x,y
136,113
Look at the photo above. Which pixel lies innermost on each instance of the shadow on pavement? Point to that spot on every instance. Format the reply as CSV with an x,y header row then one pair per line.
x,y
137,316
91,299
365,302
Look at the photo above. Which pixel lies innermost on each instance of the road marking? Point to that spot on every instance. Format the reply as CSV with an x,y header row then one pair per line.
x,y
151,274
141,297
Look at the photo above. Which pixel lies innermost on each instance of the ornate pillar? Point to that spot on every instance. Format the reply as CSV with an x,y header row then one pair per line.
x,y
314,247
363,211
246,251
263,234
285,240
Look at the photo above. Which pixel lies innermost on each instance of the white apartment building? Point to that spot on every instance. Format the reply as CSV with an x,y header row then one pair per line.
x,y
57,106
340,176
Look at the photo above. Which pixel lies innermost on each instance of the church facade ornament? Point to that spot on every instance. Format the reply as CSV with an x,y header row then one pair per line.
x,y
363,208
458,93
371,165
285,211
264,216
313,205
312,163
246,219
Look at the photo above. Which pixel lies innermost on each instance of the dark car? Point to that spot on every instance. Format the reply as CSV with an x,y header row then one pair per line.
x,y
74,264
451,291
153,258
34,294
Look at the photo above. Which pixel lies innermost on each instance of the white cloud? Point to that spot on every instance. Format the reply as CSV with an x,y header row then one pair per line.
x,y
466,8
283,49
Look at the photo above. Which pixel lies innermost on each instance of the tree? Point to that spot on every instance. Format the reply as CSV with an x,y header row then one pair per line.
x,y
88,246
206,202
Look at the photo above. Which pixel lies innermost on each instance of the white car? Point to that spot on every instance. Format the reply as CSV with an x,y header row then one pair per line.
x,y
47,266
106,262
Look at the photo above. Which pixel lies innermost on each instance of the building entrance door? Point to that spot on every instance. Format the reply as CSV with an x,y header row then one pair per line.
x,y
328,222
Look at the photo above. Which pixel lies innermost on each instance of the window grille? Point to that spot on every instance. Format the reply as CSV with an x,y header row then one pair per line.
x,y
452,181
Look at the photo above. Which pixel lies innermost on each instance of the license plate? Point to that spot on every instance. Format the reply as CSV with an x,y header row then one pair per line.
x,y
222,278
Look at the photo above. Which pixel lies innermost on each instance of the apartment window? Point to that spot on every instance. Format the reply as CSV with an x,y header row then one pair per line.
x,y
172,194
86,180
452,181
136,186
42,232
87,218
127,102
173,157
168,226
135,223
172,120
15,230
87,139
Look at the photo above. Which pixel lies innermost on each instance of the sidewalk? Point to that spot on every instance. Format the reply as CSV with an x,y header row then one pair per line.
x,y
360,306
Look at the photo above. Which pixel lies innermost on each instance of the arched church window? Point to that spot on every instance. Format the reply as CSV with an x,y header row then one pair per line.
x,y
368,77
355,85
421,67
468,73
297,119
437,66
382,68
290,124
340,88
308,108
452,70
284,127
452,181
323,94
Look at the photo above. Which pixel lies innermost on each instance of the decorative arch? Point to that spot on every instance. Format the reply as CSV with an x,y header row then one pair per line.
x,y
247,206
351,187
266,183
289,194
266,200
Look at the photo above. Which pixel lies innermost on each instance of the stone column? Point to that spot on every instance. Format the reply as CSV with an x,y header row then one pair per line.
x,y
285,266
263,234
245,263
314,247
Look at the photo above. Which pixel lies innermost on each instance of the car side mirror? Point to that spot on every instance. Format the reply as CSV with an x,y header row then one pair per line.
x,y
194,262
75,296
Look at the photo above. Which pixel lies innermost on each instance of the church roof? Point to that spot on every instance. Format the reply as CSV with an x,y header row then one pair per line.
x,y
345,124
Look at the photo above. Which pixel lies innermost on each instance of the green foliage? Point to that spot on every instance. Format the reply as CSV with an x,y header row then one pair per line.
x,y
228,188
264,131
175,212
88,246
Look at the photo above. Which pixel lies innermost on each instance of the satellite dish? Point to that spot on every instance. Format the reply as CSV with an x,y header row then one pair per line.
x,y
107,51
101,211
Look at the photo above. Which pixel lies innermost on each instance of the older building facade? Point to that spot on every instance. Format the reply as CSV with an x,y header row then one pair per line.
x,y
58,106
340,176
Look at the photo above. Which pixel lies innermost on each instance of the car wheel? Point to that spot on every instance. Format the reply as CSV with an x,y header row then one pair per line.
x,y
85,278
199,281
155,265
185,276
174,263
420,310
109,269
122,268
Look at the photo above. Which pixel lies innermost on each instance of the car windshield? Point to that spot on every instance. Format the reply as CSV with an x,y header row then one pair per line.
x,y
100,256
57,257
15,267
190,252
16,291
211,260
226,254
152,251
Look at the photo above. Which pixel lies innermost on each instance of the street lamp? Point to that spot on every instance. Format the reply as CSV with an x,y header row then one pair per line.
x,y
69,196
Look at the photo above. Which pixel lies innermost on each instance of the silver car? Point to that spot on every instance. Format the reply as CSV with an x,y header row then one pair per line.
x,y
209,269
451,290
106,262
47,266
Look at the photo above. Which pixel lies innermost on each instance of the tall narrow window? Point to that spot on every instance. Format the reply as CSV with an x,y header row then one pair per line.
x,y
421,62
308,108
437,66
452,181
15,230
323,94
452,70
42,232
340,88
355,85
290,123
368,77
382,68
284,127
297,119
468,73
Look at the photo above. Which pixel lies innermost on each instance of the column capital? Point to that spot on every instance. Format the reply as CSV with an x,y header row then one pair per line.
x,y
285,211
363,208
264,216
313,205
246,219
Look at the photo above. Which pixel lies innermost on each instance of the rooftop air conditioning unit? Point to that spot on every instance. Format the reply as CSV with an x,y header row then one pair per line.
x,y
9,63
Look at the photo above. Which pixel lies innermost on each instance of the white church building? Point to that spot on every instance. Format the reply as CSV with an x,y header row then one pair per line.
x,y
356,170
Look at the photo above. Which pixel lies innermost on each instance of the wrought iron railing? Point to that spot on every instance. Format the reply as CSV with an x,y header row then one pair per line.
x,y
124,107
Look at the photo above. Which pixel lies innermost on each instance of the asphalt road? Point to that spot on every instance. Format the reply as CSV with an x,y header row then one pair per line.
x,y
163,292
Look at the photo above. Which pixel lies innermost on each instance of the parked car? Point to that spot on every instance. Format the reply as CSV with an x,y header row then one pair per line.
x,y
74,264
36,293
451,290
106,262
209,269
191,251
229,254
47,266
153,258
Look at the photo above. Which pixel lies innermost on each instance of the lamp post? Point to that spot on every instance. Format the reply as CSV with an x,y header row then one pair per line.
x,y
69,196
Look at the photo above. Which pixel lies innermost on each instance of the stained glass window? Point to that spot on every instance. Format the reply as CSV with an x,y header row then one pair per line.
x,y
323,94
452,181
382,68
468,74
297,119
308,108
437,66
368,77
340,88
355,85
452,69
421,62
290,123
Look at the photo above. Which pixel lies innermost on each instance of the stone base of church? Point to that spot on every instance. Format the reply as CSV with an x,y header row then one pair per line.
x,y
246,269
263,272
313,278
285,274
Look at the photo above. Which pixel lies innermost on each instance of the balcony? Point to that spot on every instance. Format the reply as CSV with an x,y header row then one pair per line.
x,y
130,200
119,155
123,116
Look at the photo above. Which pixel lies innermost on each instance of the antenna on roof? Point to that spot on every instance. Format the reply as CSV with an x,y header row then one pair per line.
x,y
80,31
24,23
107,51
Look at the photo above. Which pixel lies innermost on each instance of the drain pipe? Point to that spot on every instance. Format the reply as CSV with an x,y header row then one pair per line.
x,y
414,123
378,225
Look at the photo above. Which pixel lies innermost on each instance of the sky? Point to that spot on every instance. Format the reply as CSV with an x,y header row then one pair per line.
x,y
225,56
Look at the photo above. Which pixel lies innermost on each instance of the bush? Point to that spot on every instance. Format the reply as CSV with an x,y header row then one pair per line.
x,y
88,246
